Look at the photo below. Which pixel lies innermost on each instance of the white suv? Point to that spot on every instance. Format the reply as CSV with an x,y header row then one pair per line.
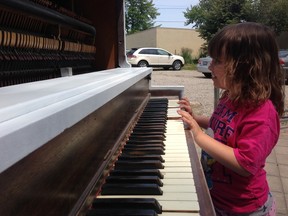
x,y
154,57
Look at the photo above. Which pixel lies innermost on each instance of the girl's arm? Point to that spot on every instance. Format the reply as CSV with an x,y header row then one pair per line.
x,y
222,153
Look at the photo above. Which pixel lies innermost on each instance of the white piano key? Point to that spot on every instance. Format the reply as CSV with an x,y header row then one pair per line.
x,y
172,175
173,103
179,188
180,205
179,214
176,170
165,197
174,138
177,164
175,158
172,113
185,181
182,202
173,141
176,146
178,196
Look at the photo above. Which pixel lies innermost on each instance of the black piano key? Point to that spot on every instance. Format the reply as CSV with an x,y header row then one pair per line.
x,y
148,129
156,106
143,145
143,142
152,122
134,180
128,203
131,189
149,120
147,137
160,115
152,125
140,172
157,110
147,133
143,157
160,105
155,113
157,100
144,164
157,103
160,119
146,151
121,212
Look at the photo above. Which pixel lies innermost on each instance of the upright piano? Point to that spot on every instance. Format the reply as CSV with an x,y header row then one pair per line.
x,y
81,131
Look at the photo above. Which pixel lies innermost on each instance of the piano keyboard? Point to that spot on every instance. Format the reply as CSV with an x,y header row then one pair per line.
x,y
153,175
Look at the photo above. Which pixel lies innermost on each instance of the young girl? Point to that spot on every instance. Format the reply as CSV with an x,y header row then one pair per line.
x,y
245,126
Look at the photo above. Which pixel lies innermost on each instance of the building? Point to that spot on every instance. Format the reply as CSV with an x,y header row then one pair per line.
x,y
174,39
171,39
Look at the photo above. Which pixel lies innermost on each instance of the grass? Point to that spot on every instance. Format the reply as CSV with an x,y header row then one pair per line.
x,y
189,67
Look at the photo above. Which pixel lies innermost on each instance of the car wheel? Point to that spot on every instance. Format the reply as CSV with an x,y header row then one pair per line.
x,y
177,65
142,63
207,75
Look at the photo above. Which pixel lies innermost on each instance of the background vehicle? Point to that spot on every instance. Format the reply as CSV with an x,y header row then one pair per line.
x,y
283,57
203,64
154,57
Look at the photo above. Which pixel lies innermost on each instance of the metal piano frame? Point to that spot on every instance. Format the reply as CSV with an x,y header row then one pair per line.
x,y
57,136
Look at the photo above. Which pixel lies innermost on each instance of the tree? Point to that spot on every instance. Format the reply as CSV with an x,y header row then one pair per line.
x,y
139,15
211,15
274,14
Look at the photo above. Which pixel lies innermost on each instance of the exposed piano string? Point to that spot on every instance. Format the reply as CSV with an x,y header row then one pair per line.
x,y
44,45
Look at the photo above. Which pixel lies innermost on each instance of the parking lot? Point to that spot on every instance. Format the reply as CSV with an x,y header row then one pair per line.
x,y
197,87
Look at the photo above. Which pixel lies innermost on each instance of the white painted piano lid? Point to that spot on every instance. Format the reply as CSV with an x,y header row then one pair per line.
x,y
33,113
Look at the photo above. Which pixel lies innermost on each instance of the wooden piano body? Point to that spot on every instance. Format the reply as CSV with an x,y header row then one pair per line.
x,y
62,122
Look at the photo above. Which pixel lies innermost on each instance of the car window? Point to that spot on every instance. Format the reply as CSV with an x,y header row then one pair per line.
x,y
148,52
283,53
162,52
130,52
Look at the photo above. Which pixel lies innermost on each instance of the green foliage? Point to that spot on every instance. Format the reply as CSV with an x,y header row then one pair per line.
x,y
192,66
139,15
190,62
211,15
274,14
186,53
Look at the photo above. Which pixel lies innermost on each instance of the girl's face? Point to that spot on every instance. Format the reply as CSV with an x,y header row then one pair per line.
x,y
217,67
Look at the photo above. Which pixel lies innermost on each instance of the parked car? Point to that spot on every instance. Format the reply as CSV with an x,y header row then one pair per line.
x,y
154,57
203,64
283,57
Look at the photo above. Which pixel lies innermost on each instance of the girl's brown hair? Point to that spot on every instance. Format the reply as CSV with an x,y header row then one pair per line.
x,y
253,71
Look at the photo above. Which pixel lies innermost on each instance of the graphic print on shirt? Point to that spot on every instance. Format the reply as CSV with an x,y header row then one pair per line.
x,y
220,129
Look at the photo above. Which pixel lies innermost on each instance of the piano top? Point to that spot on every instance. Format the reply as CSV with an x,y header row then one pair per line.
x,y
33,113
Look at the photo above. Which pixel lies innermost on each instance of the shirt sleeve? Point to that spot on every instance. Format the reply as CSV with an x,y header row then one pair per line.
x,y
257,137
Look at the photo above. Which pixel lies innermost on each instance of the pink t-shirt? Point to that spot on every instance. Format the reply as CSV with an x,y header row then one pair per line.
x,y
252,133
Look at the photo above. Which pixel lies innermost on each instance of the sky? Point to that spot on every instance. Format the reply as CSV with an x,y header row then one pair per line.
x,y
171,12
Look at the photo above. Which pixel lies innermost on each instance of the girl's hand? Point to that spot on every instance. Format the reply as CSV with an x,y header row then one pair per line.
x,y
191,123
184,104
